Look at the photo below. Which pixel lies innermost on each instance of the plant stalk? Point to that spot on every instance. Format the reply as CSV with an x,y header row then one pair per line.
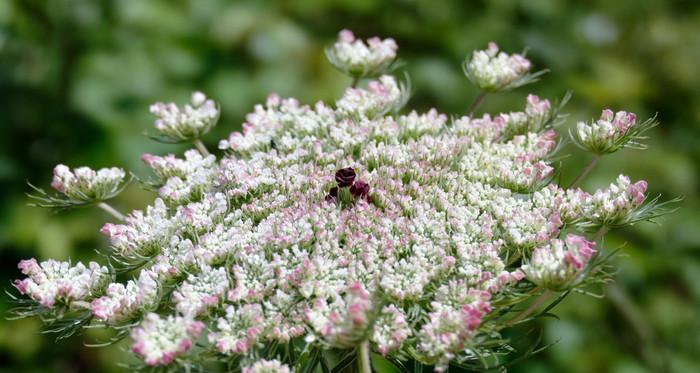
x,y
476,103
532,308
355,81
586,171
363,360
202,149
111,210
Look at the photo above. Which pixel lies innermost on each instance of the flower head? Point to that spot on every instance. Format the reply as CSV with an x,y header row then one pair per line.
x,y
193,120
493,70
266,366
86,185
53,283
611,132
559,264
159,341
359,59
345,177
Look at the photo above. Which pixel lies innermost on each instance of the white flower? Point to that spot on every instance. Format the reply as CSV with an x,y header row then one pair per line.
x,y
201,291
611,132
123,303
390,330
192,121
355,58
266,366
344,321
380,97
616,203
492,70
86,185
159,341
240,330
418,246
53,283
559,264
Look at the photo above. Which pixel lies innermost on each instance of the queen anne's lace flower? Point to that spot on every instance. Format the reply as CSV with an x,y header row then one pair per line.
x,y
201,291
493,70
380,97
612,132
159,340
616,203
52,282
359,59
124,303
333,226
188,123
559,264
84,184
266,366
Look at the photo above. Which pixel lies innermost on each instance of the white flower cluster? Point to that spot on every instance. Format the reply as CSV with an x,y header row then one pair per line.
x,y
357,59
122,304
559,264
159,340
266,366
86,185
493,70
331,226
616,203
192,121
381,96
53,283
608,134
201,291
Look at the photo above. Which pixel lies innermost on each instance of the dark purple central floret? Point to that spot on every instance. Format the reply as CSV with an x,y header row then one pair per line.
x,y
345,177
360,189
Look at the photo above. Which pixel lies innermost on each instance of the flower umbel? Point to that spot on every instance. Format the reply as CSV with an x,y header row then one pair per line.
x,y
559,264
492,70
187,123
612,132
358,59
349,227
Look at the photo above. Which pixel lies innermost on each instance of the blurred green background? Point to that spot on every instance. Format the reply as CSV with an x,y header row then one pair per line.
x,y
77,76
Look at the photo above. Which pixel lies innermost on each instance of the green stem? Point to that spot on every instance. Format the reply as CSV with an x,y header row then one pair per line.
x,y
111,210
363,360
586,171
532,308
600,233
476,103
202,149
355,80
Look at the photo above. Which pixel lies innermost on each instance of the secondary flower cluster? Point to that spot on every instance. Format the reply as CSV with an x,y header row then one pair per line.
x,y
52,283
357,59
559,264
175,124
85,184
493,70
333,226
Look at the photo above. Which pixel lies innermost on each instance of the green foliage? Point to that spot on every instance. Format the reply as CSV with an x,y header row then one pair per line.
x,y
77,76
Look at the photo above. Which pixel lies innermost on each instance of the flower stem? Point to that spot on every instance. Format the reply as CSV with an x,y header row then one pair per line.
x,y
202,149
355,80
111,210
600,233
585,171
532,308
476,103
364,359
